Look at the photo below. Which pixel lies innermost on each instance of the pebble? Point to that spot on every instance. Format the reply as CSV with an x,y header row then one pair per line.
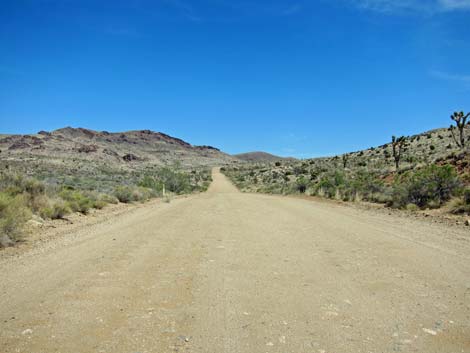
x,y
28,331
184,338
431,332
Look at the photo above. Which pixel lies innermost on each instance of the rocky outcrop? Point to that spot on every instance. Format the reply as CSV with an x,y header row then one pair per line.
x,y
19,145
130,157
87,148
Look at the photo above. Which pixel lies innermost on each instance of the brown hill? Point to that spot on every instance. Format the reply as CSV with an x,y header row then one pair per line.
x,y
260,157
117,149
99,159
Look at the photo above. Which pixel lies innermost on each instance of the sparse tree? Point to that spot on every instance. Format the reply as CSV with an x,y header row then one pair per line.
x,y
397,149
345,160
460,120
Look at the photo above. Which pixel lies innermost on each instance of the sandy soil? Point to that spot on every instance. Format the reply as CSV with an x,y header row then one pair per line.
x,y
230,272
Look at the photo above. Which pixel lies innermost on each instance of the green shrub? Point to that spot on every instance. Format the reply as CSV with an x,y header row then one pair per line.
x,y
32,190
331,184
127,194
56,209
205,185
108,199
301,184
366,186
461,205
151,183
326,187
123,193
142,194
77,201
174,181
412,207
429,187
99,204
13,215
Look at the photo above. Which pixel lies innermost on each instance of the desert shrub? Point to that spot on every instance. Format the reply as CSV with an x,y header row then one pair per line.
x,y
299,170
412,207
326,187
205,185
99,204
56,209
77,201
150,182
33,191
123,193
466,196
108,199
367,186
15,184
36,203
461,205
330,185
142,194
428,187
174,181
127,194
13,215
301,184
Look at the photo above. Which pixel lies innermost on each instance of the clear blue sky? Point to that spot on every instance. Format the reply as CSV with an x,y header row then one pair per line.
x,y
302,78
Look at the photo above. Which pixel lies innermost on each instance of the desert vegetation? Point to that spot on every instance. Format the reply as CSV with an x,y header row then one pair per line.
x,y
22,197
424,171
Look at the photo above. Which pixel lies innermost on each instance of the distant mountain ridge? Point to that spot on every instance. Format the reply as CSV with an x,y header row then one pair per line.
x,y
117,148
259,156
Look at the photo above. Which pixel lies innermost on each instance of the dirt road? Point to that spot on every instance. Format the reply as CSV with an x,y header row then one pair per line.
x,y
230,272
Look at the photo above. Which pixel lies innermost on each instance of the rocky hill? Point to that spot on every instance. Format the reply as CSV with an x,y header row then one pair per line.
x,y
122,149
369,174
81,156
260,157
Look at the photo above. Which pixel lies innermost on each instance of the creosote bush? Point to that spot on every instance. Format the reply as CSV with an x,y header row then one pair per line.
x,y
127,194
56,209
77,201
429,187
13,215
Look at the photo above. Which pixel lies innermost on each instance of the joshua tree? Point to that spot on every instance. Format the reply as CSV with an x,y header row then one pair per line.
x,y
397,148
460,120
345,160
